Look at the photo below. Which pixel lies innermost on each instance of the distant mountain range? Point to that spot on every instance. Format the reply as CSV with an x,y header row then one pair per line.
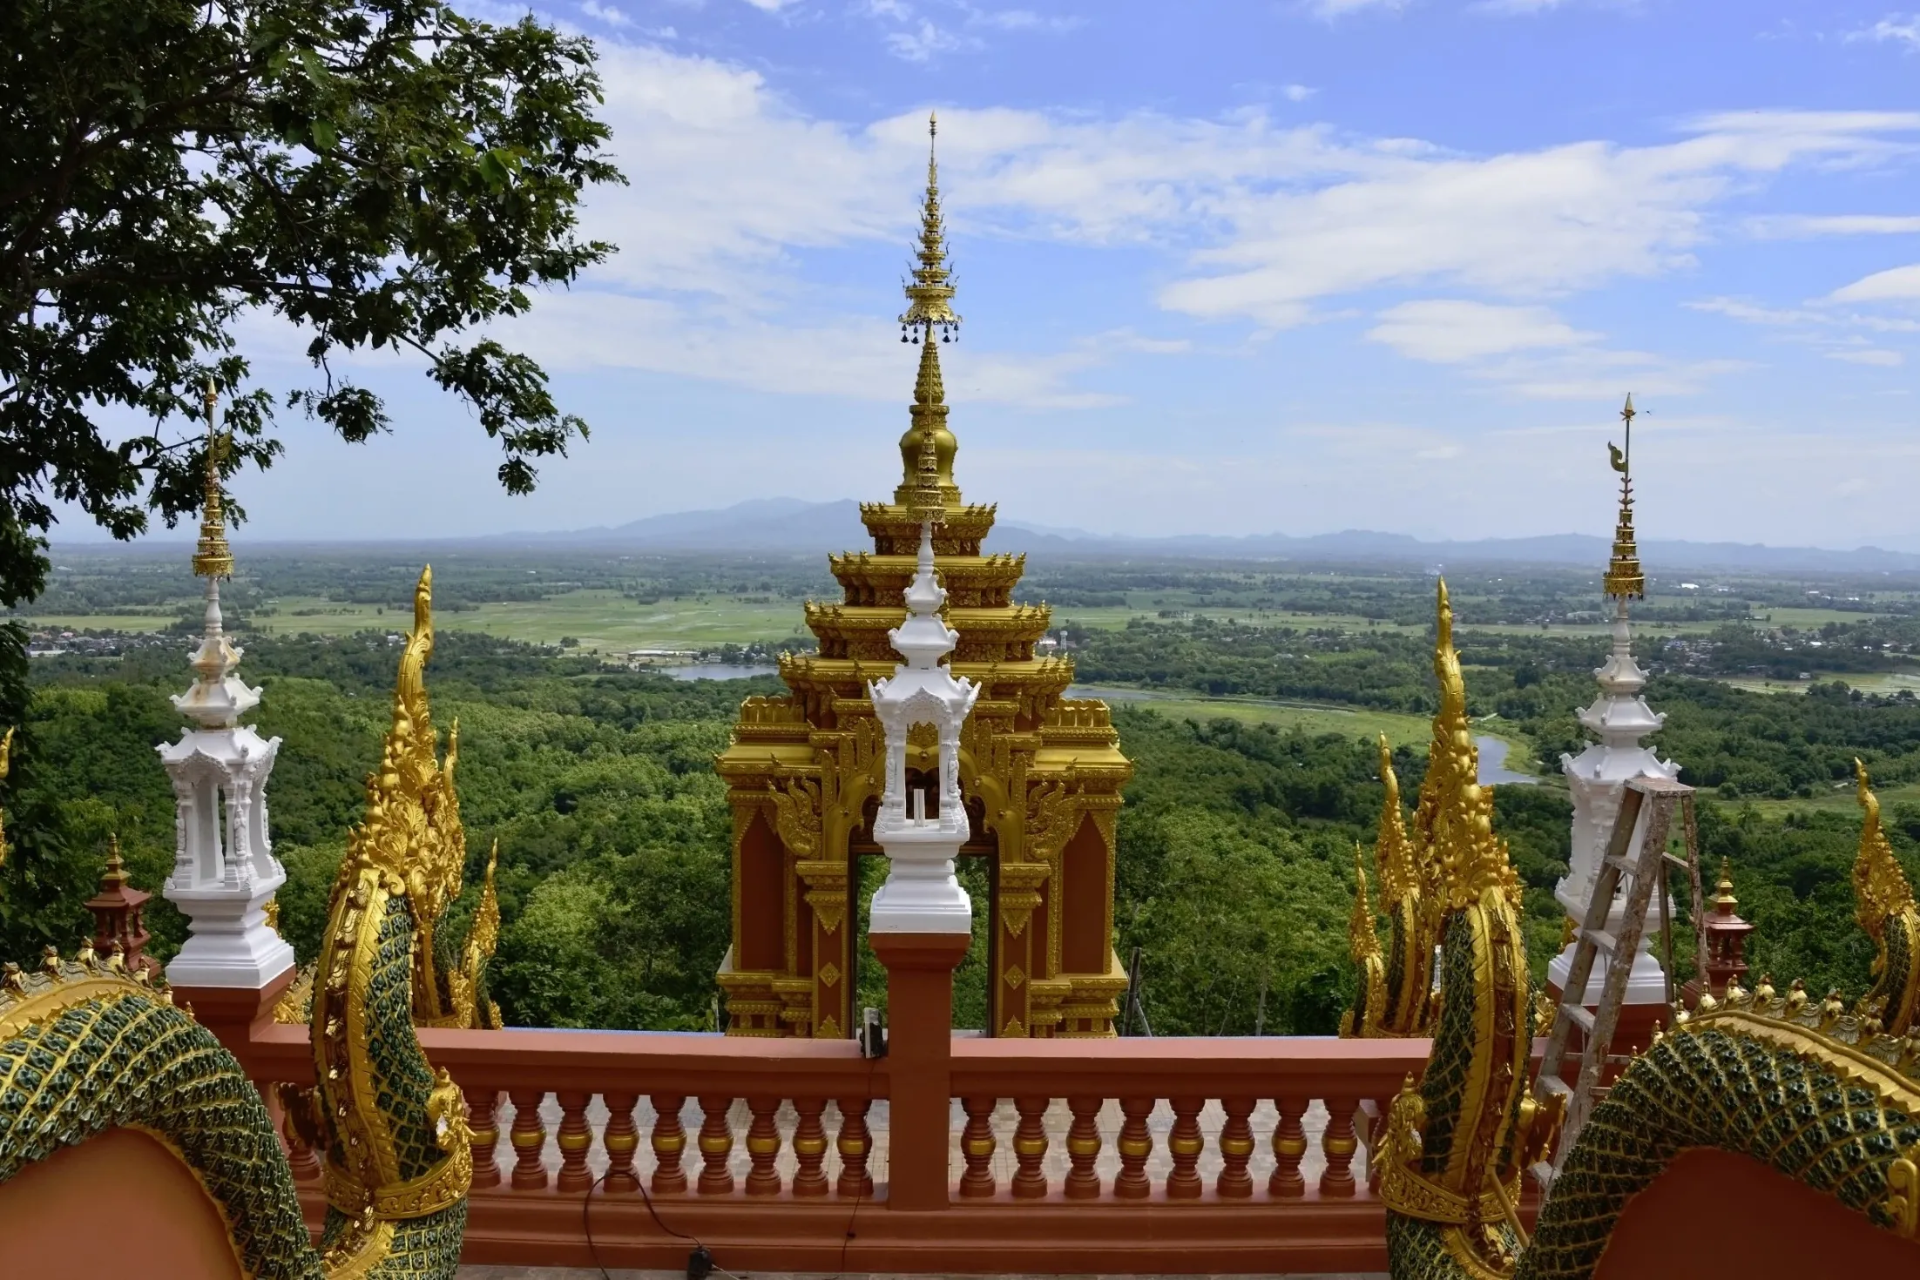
x,y
794,525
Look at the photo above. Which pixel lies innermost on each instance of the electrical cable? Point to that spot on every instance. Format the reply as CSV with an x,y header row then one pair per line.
x,y
694,1260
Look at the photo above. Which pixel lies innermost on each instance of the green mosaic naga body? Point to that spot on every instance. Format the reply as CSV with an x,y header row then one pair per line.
x,y
85,1049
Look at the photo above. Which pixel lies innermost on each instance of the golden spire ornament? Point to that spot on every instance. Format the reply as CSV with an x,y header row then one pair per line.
x,y
930,296
1624,579
929,311
212,559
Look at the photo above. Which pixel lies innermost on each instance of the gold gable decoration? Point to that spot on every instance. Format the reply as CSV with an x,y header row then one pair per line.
x,y
1884,906
1041,773
1880,887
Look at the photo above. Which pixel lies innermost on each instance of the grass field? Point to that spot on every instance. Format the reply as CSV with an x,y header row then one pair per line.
x,y
1401,730
1878,682
1834,799
600,620
607,621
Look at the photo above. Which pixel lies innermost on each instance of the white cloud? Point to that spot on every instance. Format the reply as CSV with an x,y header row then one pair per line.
x,y
771,6
1870,355
847,356
1021,20
1752,313
1894,28
1793,226
1535,222
605,13
1517,6
918,44
1899,284
1331,9
1449,331
1297,92
1259,223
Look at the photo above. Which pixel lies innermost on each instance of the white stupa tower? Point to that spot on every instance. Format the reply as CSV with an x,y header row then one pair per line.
x,y
1619,718
224,871
921,894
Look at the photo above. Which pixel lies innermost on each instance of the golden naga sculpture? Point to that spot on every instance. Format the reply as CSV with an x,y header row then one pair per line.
x,y
1413,871
1884,906
413,814
1041,772
1797,1086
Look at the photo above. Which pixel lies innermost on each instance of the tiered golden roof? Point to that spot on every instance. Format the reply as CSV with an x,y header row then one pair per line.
x,y
1045,771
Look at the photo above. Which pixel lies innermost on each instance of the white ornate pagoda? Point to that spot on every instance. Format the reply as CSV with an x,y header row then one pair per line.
x,y
224,871
1619,718
921,894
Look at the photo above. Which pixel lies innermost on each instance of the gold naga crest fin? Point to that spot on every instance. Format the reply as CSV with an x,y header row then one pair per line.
x,y
1880,887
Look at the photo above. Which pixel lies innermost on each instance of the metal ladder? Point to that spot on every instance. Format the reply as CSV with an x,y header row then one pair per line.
x,y
1646,869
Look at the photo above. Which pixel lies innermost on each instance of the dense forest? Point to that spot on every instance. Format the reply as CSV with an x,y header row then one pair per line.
x,y
1235,847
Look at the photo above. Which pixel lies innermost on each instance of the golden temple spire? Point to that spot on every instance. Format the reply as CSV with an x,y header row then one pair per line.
x,y
1624,579
1880,887
213,559
929,310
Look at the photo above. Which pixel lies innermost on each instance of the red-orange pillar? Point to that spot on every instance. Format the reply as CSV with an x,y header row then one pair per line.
x,y
919,1049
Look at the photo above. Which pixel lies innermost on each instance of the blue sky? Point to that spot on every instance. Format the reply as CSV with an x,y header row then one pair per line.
x,y
1295,266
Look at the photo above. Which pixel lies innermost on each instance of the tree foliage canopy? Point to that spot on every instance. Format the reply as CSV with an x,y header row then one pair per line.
x,y
380,173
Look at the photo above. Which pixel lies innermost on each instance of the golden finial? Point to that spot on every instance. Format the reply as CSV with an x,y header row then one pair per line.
x,y
1624,579
1723,898
930,295
1880,887
1362,941
116,873
213,559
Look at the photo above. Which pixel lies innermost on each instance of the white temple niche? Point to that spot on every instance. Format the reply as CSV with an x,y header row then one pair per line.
x,y
921,893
